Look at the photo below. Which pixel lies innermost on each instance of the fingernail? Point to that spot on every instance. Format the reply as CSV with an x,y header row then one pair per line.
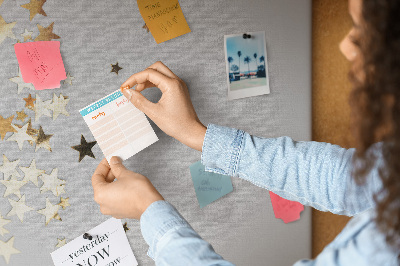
x,y
129,92
115,160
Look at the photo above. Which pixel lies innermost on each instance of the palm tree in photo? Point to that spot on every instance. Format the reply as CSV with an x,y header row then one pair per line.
x,y
262,59
230,59
247,60
255,58
239,54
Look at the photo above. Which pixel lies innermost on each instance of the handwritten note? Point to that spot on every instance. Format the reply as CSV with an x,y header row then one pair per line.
x,y
109,246
164,18
41,64
209,186
287,210
118,126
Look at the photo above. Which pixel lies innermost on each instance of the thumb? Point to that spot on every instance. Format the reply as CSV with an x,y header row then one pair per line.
x,y
138,100
117,167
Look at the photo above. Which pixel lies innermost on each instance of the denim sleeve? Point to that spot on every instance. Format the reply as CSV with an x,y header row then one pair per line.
x,y
312,173
172,241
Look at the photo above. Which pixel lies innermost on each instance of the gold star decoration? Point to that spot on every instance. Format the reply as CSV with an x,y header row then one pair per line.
x,y
64,203
20,136
52,183
29,102
27,35
61,242
3,222
58,106
126,227
69,79
41,108
115,68
85,148
31,173
31,132
19,208
7,249
1,1
35,7
9,168
42,140
5,126
145,27
6,30
21,116
50,212
20,82
46,34
12,187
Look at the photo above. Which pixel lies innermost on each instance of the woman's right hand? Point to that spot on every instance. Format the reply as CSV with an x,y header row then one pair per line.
x,y
174,112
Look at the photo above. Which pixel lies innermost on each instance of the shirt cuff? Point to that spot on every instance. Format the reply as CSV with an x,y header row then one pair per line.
x,y
222,147
156,221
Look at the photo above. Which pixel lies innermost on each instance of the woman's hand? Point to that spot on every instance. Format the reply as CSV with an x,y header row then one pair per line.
x,y
127,197
174,112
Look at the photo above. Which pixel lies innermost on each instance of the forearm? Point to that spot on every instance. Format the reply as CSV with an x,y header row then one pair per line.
x,y
172,241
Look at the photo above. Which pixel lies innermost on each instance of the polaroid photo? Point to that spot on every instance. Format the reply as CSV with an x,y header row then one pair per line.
x,y
246,65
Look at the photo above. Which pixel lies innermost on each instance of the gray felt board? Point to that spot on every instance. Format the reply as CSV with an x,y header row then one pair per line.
x,y
96,33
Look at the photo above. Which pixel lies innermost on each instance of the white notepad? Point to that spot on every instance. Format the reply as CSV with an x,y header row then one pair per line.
x,y
118,126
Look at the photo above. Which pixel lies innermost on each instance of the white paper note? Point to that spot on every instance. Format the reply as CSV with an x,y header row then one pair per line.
x,y
118,126
108,247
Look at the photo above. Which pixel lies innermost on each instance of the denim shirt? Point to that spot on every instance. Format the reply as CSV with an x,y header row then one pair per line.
x,y
312,173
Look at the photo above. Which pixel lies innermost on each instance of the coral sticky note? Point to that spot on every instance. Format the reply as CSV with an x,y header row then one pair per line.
x,y
41,63
164,18
287,210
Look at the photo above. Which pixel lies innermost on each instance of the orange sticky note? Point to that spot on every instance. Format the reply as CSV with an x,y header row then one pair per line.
x,y
164,18
41,63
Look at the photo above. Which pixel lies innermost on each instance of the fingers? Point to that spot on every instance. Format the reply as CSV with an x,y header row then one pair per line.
x,y
140,102
159,80
117,167
100,174
160,67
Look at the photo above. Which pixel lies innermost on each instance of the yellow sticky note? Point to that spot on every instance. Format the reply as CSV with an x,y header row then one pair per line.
x,y
164,18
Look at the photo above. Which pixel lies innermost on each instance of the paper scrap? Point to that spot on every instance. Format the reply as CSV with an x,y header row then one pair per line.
x,y
109,246
118,126
41,63
165,19
209,186
287,210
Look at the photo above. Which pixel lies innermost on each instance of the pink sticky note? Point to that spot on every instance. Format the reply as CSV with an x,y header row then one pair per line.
x,y
284,209
41,63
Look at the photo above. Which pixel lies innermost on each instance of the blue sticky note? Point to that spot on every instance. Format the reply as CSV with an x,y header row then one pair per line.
x,y
209,186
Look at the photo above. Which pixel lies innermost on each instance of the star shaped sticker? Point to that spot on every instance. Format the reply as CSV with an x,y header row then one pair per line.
x,y
9,168
29,102
69,79
20,82
7,249
41,108
27,35
46,34
19,208
42,140
6,30
20,136
61,242
5,126
126,227
52,183
21,115
31,173
115,68
85,148
35,7
31,132
50,212
12,187
145,27
3,222
64,203
58,106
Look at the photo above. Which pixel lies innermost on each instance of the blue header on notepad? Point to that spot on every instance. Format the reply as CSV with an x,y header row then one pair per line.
x,y
100,103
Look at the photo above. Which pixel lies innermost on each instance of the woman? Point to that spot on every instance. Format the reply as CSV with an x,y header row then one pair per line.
x,y
317,174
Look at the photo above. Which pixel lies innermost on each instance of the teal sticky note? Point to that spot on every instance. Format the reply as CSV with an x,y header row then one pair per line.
x,y
209,186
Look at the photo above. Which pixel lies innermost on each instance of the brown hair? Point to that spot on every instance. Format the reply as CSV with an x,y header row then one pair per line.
x,y
376,106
